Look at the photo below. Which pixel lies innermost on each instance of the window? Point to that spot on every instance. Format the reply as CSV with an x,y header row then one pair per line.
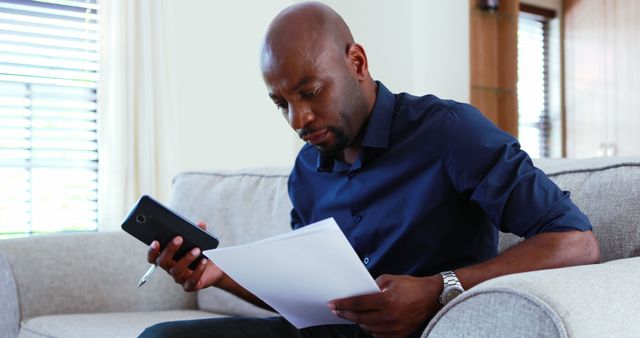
x,y
48,120
539,120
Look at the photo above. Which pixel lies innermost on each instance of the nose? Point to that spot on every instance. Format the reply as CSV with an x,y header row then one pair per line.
x,y
300,116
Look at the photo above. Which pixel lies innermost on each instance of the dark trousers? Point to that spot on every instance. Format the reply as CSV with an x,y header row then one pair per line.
x,y
231,327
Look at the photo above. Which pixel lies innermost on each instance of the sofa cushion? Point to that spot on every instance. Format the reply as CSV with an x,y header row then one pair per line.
x,y
241,207
607,191
107,325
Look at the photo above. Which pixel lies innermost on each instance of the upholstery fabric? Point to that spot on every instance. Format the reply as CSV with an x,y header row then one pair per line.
x,y
104,325
607,191
241,207
86,273
521,316
599,300
9,309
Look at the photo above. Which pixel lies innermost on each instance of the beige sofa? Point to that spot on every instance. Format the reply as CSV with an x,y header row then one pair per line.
x,y
84,285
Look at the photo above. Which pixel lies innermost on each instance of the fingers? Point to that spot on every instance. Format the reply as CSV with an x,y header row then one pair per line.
x,y
384,281
399,309
191,284
202,225
190,280
370,302
374,317
165,260
366,309
180,270
153,252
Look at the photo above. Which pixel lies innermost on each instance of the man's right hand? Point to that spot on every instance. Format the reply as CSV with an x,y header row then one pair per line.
x,y
205,274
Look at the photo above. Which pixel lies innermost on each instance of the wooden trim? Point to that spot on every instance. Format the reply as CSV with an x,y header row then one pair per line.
x,y
543,13
493,63
493,89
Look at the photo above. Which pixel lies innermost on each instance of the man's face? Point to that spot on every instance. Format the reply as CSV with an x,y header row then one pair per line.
x,y
317,94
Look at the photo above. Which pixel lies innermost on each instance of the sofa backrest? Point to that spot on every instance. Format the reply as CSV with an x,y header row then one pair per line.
x,y
238,207
244,206
607,190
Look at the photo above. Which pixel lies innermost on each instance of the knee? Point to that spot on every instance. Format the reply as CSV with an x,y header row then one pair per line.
x,y
161,330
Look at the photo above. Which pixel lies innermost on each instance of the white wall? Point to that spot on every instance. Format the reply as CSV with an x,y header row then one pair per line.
x,y
223,118
417,46
441,48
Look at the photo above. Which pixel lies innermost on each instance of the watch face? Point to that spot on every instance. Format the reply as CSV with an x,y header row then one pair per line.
x,y
451,294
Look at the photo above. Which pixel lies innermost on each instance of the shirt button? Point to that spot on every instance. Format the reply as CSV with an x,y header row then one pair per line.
x,y
366,260
357,218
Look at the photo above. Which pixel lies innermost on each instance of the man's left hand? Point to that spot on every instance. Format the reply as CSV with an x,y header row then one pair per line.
x,y
399,310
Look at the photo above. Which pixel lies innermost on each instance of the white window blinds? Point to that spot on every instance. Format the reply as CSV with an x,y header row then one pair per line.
x,y
539,120
533,116
48,120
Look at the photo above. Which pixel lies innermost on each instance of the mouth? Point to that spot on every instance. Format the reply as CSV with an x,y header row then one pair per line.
x,y
317,137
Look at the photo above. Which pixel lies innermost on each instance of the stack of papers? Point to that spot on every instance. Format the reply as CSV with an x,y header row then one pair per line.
x,y
299,272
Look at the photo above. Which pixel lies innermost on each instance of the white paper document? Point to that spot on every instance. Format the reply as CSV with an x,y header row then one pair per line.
x,y
299,272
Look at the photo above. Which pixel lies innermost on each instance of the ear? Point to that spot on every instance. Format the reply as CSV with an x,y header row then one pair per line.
x,y
357,59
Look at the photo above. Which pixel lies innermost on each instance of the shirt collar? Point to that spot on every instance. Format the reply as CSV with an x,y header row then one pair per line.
x,y
378,127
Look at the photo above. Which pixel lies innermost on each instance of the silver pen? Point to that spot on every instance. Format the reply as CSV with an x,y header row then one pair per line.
x,y
147,275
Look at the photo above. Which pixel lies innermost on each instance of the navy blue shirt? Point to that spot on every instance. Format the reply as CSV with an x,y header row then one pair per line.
x,y
434,182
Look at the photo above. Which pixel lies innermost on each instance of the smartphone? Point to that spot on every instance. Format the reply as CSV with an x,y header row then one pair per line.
x,y
149,220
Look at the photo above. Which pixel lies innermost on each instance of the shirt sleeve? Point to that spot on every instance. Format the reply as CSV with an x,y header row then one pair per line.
x,y
296,221
487,166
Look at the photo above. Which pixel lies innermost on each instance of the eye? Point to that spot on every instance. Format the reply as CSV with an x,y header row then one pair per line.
x,y
281,105
310,94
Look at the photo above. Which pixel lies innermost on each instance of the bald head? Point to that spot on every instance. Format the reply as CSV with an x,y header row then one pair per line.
x,y
309,28
317,76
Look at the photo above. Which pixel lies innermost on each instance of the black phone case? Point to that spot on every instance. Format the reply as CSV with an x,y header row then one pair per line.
x,y
150,220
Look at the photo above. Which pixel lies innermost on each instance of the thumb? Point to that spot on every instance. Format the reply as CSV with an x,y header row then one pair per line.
x,y
202,225
384,281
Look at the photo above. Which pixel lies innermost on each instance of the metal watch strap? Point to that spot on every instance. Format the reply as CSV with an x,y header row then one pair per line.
x,y
450,281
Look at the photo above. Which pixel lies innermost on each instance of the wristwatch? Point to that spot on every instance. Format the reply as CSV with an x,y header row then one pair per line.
x,y
452,287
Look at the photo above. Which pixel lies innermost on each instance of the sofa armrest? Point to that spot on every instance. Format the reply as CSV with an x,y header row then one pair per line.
x,y
600,300
84,273
9,309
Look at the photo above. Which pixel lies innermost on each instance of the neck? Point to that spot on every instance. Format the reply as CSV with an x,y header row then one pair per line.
x,y
350,155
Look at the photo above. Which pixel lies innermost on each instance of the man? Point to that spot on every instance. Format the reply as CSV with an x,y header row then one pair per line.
x,y
418,185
